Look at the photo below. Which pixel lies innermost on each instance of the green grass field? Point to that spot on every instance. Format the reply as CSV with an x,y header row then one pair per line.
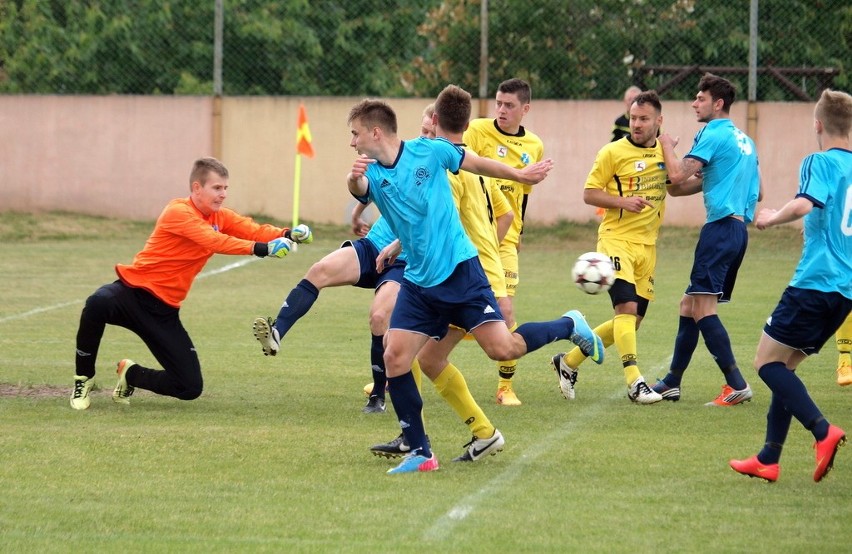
x,y
274,456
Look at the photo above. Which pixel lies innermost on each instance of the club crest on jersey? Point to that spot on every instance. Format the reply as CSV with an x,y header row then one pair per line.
x,y
421,174
639,165
502,151
525,158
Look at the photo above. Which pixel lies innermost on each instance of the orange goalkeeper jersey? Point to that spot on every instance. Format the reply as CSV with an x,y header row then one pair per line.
x,y
181,243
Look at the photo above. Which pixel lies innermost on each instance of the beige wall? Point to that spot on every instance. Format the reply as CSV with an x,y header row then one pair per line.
x,y
126,156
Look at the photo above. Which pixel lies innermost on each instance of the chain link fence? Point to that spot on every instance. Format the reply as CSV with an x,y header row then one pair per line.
x,y
566,49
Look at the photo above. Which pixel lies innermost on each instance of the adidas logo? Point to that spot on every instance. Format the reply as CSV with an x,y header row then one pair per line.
x,y
488,310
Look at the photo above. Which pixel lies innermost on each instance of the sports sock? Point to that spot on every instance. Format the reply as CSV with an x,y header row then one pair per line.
x,y
377,359
777,425
297,304
685,343
792,392
605,331
417,372
719,344
624,331
453,388
538,333
408,404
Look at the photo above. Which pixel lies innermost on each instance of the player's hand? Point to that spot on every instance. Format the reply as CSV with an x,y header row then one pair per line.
x,y
388,255
359,167
536,172
300,234
635,204
667,140
279,247
764,217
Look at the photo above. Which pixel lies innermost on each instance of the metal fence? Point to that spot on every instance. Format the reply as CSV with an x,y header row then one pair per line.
x,y
567,49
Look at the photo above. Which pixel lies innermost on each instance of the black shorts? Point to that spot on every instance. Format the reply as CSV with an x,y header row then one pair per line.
x,y
805,319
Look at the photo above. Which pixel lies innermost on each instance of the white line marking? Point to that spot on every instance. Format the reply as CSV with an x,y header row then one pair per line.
x,y
61,305
445,524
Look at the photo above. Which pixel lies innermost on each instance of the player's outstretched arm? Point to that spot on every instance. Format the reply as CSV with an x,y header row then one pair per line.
x,y
530,175
796,208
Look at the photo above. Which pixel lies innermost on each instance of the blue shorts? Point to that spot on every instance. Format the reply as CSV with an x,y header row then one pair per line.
x,y
367,254
805,319
718,255
464,299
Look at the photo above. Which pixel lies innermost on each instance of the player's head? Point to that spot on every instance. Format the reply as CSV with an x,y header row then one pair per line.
x,y
646,117
208,185
374,113
630,96
427,128
833,114
715,97
513,103
203,167
452,109
370,121
518,87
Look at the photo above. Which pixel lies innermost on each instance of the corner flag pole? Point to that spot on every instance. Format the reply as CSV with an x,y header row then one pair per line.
x,y
303,148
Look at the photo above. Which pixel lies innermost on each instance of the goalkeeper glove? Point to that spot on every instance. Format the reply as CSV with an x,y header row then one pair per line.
x,y
279,247
300,234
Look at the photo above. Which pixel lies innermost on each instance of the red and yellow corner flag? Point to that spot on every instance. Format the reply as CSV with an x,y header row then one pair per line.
x,y
303,135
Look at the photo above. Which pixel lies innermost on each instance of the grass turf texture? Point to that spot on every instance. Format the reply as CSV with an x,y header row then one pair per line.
x,y
274,455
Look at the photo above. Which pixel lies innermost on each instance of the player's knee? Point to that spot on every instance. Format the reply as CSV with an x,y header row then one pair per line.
x,y
498,352
190,389
191,392
98,303
379,321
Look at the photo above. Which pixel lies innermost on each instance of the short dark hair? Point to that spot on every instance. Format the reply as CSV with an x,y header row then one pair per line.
x,y
649,97
203,167
718,88
374,113
453,108
518,87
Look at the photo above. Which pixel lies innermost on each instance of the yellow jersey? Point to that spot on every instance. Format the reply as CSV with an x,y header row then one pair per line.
x,y
622,168
484,137
480,203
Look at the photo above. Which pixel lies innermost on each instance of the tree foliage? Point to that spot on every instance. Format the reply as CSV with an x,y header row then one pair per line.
x,y
577,49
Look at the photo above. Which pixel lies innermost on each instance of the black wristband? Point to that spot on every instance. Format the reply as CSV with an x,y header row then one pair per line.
x,y
261,249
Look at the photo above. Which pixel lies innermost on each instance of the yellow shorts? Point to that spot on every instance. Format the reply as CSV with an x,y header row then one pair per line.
x,y
633,262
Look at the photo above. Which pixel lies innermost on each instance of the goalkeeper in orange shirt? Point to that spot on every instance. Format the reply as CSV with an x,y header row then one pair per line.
x,y
148,293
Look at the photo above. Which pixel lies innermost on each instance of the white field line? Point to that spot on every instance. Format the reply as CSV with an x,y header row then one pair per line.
x,y
492,490
36,311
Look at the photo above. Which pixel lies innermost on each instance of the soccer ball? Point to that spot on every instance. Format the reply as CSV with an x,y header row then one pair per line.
x,y
593,273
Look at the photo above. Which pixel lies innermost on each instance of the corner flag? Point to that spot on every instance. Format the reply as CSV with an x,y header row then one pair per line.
x,y
303,148
303,135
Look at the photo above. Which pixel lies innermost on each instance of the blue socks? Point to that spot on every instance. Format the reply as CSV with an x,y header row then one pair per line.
x,y
719,344
790,391
408,405
685,344
297,304
777,424
377,361
539,333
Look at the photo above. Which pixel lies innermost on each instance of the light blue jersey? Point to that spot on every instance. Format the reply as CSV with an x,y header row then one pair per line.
x,y
731,178
381,235
825,178
414,196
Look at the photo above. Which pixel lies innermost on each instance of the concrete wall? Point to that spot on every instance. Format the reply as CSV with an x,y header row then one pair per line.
x,y
126,156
